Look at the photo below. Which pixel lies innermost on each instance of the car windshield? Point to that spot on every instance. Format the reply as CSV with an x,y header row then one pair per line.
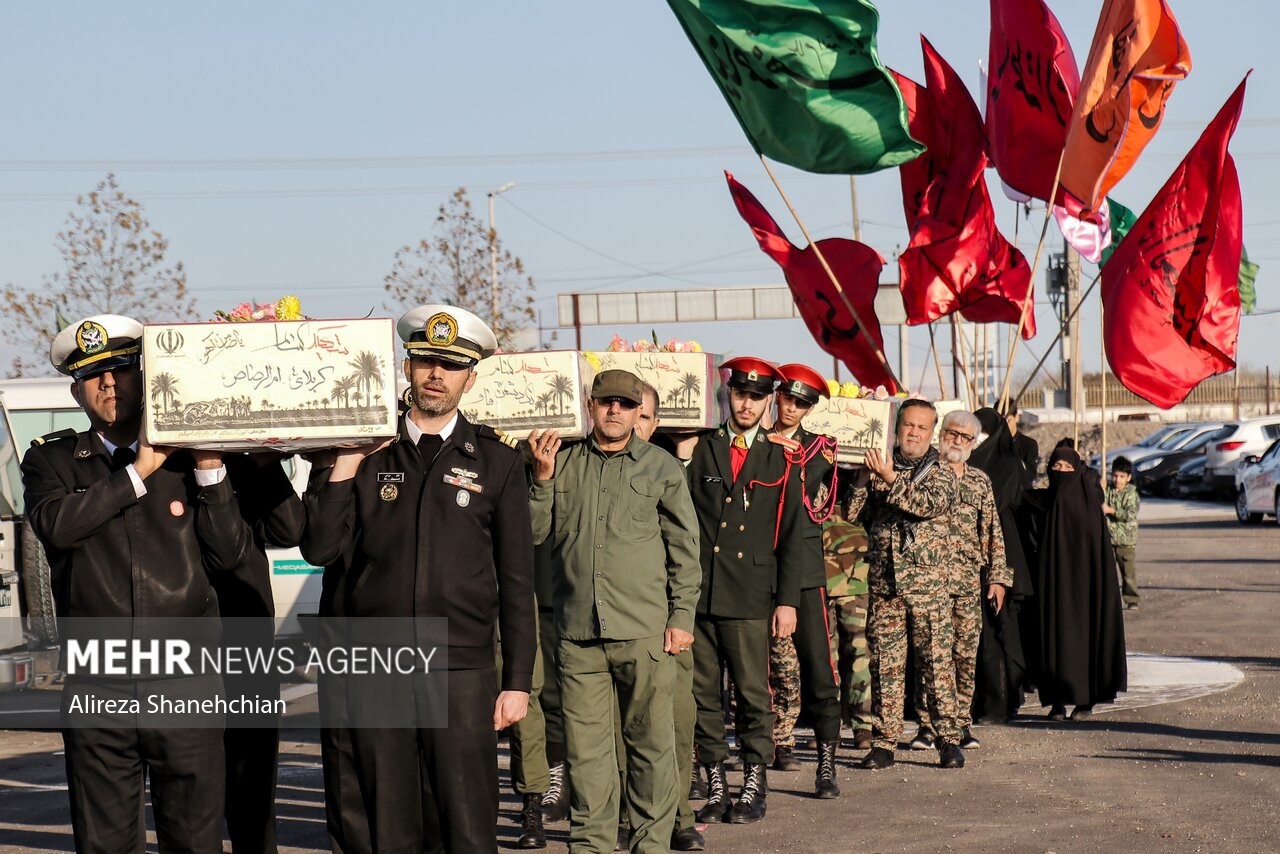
x,y
1171,441
1205,438
1155,438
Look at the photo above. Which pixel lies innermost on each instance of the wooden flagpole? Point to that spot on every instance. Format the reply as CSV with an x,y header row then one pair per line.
x,y
884,362
1026,302
937,362
964,357
1102,348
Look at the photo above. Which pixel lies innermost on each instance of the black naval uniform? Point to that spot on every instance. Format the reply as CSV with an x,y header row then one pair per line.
x,y
273,511
743,576
113,554
819,692
421,550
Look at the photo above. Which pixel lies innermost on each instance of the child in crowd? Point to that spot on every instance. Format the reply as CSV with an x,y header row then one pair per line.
x,y
1121,509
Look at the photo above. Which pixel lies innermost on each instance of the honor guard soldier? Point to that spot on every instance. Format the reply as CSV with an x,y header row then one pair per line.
x,y
435,523
132,531
754,551
801,664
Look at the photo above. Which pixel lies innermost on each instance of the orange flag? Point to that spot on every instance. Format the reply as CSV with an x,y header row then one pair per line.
x,y
1136,58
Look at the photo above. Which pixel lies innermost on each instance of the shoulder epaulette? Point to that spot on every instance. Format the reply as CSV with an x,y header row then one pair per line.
x,y
66,433
779,439
494,433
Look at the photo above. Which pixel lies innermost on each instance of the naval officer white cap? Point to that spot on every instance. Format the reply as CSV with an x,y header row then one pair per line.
x,y
97,344
448,333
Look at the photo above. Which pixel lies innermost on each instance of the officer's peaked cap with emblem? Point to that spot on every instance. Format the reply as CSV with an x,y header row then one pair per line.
x,y
97,344
448,333
750,374
803,382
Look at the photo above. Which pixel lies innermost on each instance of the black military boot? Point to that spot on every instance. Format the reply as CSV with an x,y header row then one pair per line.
x,y
531,833
824,783
951,756
718,804
555,803
785,760
878,759
751,801
697,785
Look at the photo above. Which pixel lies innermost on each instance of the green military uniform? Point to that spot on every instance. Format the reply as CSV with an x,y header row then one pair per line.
x,y
743,573
530,765
802,663
977,560
1123,527
909,536
844,546
625,569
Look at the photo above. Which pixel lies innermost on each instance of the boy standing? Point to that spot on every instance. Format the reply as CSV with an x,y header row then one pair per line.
x,y
1121,509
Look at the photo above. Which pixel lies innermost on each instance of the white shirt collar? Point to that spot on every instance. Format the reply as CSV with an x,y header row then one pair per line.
x,y
111,447
415,432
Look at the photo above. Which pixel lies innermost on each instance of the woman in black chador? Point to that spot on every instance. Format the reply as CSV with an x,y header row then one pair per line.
x,y
1081,627
1002,665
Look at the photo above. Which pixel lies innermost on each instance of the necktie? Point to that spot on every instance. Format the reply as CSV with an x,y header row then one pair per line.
x,y
122,457
737,454
428,447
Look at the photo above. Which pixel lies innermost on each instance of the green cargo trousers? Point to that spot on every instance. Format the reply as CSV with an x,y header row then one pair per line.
x,y
643,677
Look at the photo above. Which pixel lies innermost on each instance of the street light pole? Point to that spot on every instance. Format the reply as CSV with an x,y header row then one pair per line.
x,y
493,255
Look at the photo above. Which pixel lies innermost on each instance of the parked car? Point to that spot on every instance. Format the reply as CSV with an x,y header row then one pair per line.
x,y
1143,445
1153,473
1250,436
1258,486
1189,481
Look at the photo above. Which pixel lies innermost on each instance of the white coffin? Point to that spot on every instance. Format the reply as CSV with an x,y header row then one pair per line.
x,y
287,385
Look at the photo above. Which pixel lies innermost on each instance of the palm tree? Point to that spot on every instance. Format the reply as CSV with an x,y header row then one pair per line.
x,y
561,386
164,386
544,402
875,430
673,397
368,373
342,389
690,384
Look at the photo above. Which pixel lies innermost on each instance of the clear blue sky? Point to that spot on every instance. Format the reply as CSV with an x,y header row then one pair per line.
x,y
600,112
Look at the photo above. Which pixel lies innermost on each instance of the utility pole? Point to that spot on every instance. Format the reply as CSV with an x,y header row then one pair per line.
x,y
1078,402
493,255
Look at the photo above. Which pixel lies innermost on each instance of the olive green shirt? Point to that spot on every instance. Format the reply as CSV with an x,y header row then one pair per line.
x,y
625,560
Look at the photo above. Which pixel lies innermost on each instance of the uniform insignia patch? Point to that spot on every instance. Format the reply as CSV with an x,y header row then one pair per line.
x,y
390,477
91,338
461,472
463,498
83,454
709,479
469,448
442,329
509,441
752,376
388,492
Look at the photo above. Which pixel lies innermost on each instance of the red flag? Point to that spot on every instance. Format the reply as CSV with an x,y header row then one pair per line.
x,y
956,260
1136,57
1031,86
856,265
1171,288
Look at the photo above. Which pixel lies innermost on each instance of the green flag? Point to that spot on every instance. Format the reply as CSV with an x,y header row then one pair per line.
x,y
1122,219
804,80
1248,276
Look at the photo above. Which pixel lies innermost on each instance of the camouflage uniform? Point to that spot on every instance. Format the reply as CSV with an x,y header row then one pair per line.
x,y
784,685
977,560
909,529
844,547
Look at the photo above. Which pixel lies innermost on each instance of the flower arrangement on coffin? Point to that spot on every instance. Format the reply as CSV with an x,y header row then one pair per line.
x,y
286,308
853,390
651,345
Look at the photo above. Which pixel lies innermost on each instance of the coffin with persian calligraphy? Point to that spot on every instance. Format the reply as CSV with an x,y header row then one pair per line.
x,y
286,385
541,390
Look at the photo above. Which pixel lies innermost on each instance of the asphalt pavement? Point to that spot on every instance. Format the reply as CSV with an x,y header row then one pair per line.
x,y
1188,760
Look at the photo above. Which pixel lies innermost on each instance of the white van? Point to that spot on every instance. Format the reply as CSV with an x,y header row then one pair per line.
x,y
30,408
